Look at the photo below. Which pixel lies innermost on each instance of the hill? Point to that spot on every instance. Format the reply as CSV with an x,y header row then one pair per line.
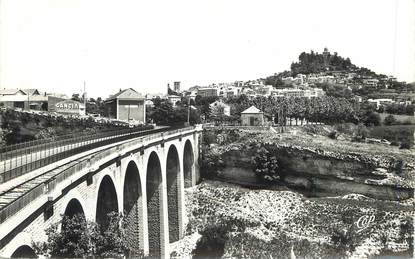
x,y
315,63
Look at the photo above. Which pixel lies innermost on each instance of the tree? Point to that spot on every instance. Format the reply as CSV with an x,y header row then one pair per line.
x,y
266,165
75,97
79,237
372,119
390,120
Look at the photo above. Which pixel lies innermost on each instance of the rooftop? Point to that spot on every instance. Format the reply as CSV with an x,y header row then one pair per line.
x,y
251,110
126,94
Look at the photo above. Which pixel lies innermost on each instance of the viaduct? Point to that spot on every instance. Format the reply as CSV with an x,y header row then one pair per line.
x,y
142,176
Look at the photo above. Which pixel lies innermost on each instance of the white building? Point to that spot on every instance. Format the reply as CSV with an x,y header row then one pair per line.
x,y
380,102
220,108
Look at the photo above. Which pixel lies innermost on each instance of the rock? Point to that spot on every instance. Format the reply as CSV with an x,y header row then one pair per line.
x,y
298,182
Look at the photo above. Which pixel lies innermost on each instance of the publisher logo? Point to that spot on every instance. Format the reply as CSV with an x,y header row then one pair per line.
x,y
364,222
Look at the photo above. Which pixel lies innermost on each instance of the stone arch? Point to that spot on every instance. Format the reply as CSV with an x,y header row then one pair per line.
x,y
24,251
106,201
154,204
173,187
73,208
133,210
188,164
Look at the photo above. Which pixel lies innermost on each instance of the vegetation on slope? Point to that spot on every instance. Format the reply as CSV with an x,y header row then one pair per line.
x,y
17,127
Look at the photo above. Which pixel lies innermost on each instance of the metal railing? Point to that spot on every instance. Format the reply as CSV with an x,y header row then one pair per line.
x,y
32,158
49,185
10,151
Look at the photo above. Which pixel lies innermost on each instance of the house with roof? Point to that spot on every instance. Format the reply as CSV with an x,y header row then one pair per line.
x,y
11,92
252,117
126,105
24,99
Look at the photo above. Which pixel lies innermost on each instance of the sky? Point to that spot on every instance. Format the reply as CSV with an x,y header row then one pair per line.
x,y
56,45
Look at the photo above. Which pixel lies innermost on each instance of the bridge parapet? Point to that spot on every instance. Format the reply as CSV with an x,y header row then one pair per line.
x,y
17,162
52,187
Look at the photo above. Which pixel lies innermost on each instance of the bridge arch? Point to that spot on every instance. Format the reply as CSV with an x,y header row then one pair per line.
x,y
107,201
74,207
24,251
74,203
133,209
154,204
173,187
188,164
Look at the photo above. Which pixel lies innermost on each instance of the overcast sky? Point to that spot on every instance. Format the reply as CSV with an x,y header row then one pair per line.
x,y
55,45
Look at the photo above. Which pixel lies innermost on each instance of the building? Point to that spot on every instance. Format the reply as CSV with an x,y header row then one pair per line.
x,y
252,117
380,102
173,99
314,92
26,99
220,108
288,92
264,90
126,105
371,82
176,86
208,91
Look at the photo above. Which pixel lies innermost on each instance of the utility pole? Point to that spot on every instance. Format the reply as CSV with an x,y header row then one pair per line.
x,y
84,94
188,111
28,100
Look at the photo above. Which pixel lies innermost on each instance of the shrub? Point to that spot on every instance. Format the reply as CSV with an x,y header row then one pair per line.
x,y
372,119
209,137
211,163
333,135
390,120
405,145
81,238
407,122
394,143
266,165
361,132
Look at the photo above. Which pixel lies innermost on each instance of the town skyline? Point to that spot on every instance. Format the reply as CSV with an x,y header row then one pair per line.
x,y
219,45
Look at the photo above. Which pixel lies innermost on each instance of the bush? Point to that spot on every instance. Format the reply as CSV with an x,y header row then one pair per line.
x,y
405,145
81,238
266,165
209,137
407,122
395,143
333,135
390,120
211,163
372,119
361,132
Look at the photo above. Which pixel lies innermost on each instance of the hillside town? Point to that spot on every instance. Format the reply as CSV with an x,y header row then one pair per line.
x,y
274,160
348,81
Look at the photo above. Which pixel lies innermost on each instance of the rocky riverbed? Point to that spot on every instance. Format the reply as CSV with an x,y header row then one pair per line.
x,y
226,220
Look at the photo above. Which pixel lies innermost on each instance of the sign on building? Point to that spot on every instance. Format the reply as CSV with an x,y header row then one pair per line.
x,y
70,107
